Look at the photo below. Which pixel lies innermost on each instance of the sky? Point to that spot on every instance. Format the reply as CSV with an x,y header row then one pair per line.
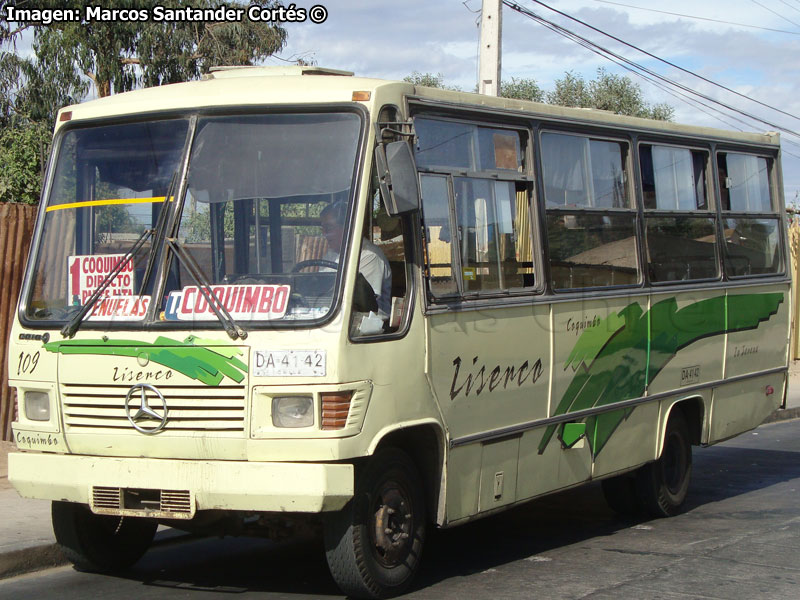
x,y
391,39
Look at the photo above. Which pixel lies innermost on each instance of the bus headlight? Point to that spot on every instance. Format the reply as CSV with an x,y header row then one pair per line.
x,y
37,406
292,411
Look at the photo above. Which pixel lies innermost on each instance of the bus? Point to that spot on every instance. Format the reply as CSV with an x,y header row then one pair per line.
x,y
287,300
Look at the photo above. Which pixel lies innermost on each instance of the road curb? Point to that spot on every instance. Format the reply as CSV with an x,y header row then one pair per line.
x,y
27,560
47,556
783,415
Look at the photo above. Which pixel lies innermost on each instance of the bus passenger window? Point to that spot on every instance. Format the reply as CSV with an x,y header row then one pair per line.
x,y
591,250
744,183
750,223
680,225
584,172
591,225
673,178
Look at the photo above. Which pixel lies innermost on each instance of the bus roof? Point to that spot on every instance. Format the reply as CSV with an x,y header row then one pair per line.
x,y
253,86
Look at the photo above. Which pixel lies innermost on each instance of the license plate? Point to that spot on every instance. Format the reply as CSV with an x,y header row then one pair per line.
x,y
289,363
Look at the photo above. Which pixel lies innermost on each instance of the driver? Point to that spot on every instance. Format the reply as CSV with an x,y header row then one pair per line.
x,y
373,264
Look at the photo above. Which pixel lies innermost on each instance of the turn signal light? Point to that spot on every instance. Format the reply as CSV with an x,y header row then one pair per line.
x,y
335,408
361,96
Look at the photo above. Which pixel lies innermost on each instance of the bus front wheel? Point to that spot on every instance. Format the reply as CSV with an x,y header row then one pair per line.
x,y
100,543
664,484
374,544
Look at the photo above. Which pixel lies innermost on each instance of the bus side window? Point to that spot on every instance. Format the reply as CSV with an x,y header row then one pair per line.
x,y
680,225
438,235
383,238
750,222
591,219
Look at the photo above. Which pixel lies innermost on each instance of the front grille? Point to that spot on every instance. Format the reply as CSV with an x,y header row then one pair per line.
x,y
170,504
176,501
191,408
106,498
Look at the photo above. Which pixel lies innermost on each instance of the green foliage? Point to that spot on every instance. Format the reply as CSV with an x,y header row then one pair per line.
x,y
522,89
115,219
429,80
119,56
615,93
23,155
571,90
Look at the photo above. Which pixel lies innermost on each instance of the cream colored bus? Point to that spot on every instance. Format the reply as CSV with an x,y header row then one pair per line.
x,y
288,298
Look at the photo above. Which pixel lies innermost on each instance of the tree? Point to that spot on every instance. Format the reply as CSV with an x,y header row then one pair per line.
x,y
522,89
120,55
429,80
23,154
117,56
31,91
615,93
571,90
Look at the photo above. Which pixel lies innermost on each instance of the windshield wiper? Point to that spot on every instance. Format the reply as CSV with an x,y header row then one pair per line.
x,y
70,328
232,329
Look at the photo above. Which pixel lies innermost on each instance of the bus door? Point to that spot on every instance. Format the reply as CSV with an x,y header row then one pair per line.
x,y
489,354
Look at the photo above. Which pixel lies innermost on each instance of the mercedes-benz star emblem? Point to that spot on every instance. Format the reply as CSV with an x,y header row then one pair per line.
x,y
145,412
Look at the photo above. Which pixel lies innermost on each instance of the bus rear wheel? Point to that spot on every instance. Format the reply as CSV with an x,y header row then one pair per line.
x,y
664,484
374,545
100,543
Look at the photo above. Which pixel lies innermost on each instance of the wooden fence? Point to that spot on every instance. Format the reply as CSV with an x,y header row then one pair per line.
x,y
16,230
794,249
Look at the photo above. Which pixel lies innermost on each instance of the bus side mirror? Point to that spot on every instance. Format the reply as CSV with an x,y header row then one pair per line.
x,y
397,176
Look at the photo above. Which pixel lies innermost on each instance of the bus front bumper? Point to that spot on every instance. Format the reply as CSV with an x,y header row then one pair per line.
x,y
168,488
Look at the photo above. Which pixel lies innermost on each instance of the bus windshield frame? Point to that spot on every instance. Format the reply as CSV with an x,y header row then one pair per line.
x,y
236,263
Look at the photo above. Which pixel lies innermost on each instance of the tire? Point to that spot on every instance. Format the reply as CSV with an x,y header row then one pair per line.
x,y
374,545
621,494
100,543
664,484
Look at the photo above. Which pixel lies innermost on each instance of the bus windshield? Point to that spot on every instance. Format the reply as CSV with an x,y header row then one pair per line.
x,y
250,218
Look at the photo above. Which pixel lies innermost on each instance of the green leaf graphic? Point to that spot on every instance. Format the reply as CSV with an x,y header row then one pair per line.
x,y
620,363
207,364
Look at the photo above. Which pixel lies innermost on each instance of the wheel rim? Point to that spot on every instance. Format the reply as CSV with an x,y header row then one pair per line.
x,y
674,464
393,524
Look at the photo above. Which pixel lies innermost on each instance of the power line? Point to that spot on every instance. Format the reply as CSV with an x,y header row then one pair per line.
x,y
679,95
671,64
774,12
674,14
608,53
789,5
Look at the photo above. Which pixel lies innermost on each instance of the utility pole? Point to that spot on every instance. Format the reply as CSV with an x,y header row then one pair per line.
x,y
489,55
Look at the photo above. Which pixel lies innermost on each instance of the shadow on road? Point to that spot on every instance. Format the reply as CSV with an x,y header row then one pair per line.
x,y
237,565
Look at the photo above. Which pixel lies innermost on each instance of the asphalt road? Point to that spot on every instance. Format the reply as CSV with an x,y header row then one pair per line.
x,y
740,538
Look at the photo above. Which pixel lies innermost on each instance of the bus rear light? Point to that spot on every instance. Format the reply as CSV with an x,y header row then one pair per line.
x,y
770,390
335,409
